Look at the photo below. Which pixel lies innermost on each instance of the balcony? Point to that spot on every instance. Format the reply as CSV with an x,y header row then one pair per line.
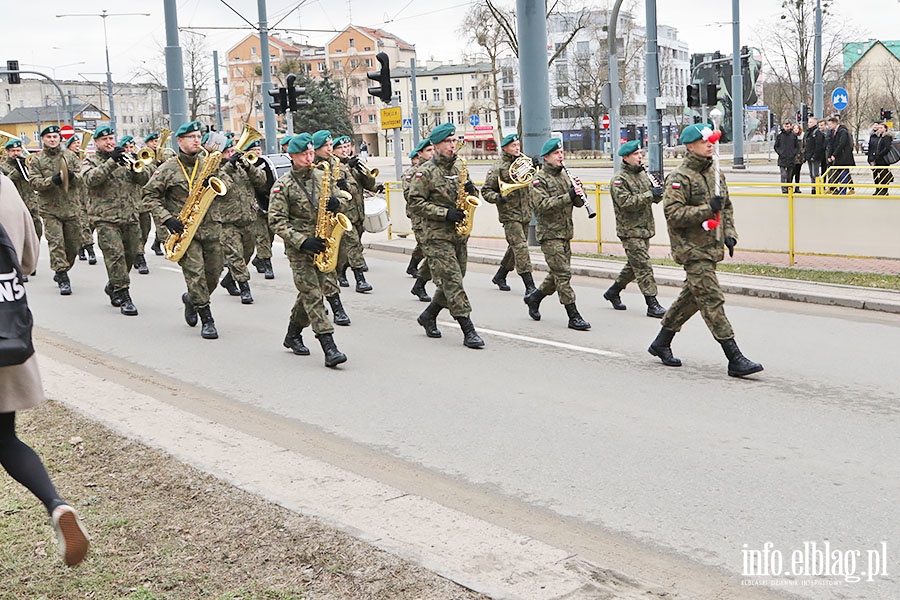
x,y
435,105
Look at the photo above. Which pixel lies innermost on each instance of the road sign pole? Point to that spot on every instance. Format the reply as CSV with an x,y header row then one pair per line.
x,y
398,153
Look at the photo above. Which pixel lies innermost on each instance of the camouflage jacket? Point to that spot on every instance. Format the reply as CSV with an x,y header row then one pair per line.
x,y
113,190
237,205
432,192
689,189
514,207
358,182
9,168
53,199
294,205
346,203
633,202
168,189
407,179
552,204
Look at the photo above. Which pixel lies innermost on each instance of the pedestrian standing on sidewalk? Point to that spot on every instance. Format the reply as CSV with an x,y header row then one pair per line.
x,y
786,147
814,151
841,155
879,146
800,158
21,388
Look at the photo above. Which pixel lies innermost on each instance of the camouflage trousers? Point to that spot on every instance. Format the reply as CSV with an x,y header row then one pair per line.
x,y
202,264
516,256
65,238
308,310
87,230
238,243
145,221
447,259
264,236
119,243
638,267
424,270
38,226
350,251
700,291
558,254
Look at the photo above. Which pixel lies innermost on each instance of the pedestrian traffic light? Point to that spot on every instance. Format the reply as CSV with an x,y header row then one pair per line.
x,y
712,94
296,96
693,95
383,77
280,104
13,76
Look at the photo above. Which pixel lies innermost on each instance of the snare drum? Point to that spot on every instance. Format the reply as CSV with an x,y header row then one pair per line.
x,y
377,217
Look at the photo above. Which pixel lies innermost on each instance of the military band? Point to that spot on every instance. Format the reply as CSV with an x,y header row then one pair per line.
x,y
357,180
422,152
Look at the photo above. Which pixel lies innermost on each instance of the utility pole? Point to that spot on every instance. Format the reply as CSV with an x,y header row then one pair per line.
x,y
415,103
219,124
654,118
737,86
174,69
271,129
615,93
818,92
535,77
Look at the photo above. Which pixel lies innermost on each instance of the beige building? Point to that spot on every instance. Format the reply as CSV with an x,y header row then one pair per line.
x,y
872,79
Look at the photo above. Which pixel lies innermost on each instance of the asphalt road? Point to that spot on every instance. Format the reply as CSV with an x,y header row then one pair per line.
x,y
583,426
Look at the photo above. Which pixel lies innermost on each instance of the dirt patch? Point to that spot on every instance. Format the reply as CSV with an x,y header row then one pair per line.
x,y
164,530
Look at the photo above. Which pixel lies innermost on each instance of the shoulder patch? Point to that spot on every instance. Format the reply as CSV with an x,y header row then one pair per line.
x,y
617,182
490,171
676,185
276,189
419,175
536,181
156,172
408,177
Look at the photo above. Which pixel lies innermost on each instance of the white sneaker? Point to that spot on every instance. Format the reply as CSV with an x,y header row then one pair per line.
x,y
73,539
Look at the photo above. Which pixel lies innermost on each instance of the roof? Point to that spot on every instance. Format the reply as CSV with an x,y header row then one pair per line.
x,y
273,41
381,33
854,51
457,69
35,114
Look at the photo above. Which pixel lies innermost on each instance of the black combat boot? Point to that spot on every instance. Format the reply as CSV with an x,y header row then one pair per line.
x,y
92,258
294,341
500,279
141,264
333,356
653,308
190,313
428,320
528,280
157,248
413,269
82,255
208,329
113,298
342,277
533,300
418,290
575,320
361,284
612,294
65,286
471,339
738,364
269,273
230,284
662,347
365,267
340,316
246,297
259,263
126,306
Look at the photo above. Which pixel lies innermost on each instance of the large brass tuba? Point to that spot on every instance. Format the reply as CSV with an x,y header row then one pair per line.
x,y
521,174
164,136
329,226
248,136
202,194
464,201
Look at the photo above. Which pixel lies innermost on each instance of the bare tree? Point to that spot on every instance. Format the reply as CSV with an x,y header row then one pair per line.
x,y
506,21
493,43
198,71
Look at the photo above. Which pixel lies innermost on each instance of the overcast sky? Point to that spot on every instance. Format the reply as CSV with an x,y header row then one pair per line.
x,y
35,36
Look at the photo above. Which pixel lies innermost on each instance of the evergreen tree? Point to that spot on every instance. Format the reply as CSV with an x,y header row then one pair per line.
x,y
329,109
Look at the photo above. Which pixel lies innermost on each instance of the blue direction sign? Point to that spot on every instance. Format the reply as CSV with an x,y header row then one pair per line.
x,y
474,120
407,123
753,107
840,98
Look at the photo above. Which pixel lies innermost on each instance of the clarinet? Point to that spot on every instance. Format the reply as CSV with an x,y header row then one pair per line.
x,y
587,205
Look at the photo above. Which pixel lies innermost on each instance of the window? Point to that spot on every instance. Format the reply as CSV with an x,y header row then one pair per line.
x,y
354,63
509,97
488,116
352,42
436,95
486,93
449,116
562,54
372,118
357,119
423,95
562,74
355,101
368,63
424,119
337,65
253,51
449,94
582,49
509,119
320,67
259,124
459,93
437,119
367,49
506,74
371,100
460,117
473,92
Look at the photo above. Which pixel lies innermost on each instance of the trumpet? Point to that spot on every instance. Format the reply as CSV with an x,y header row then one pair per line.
x,y
366,171
587,205
521,174
132,163
248,136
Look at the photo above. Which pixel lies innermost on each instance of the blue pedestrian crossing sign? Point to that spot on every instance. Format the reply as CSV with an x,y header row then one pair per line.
x,y
407,123
474,120
840,98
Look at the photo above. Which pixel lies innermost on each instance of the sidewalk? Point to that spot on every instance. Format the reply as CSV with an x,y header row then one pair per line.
x,y
487,251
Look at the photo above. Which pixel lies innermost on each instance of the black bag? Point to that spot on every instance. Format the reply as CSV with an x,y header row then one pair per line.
x,y
893,155
15,316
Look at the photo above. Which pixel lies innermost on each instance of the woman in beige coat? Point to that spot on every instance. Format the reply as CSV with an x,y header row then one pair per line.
x,y
21,388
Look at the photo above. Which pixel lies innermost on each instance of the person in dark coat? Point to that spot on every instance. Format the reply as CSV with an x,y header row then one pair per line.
x,y
879,145
787,146
814,152
841,155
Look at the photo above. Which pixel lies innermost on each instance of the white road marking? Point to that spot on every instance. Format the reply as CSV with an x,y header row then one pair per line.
x,y
543,342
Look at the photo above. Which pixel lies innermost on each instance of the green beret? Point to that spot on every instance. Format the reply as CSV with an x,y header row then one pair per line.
x,y
341,140
441,132
300,143
127,139
189,128
285,140
229,134
151,136
71,139
509,139
204,139
49,129
629,148
550,145
692,133
13,144
253,144
103,131
320,138
420,146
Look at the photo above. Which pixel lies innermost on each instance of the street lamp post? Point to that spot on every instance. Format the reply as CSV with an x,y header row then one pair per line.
x,y
109,87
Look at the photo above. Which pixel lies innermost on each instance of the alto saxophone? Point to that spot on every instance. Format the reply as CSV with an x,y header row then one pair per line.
x,y
464,201
329,226
195,206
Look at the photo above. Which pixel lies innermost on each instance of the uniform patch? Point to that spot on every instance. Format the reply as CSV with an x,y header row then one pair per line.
x,y
156,172
537,182
418,176
618,182
275,190
676,185
408,177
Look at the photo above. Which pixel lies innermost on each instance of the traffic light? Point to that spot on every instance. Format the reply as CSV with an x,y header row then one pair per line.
x,y
13,65
771,121
296,96
383,77
712,94
886,115
804,114
280,104
693,95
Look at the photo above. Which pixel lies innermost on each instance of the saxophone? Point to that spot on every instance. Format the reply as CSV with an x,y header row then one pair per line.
x,y
195,207
464,201
329,226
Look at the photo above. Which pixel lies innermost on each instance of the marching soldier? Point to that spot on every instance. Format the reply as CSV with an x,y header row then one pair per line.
x,y
110,182
151,141
73,144
700,221
262,231
284,144
134,186
13,166
293,212
433,194
165,195
633,196
515,212
554,196
60,209
422,152
350,252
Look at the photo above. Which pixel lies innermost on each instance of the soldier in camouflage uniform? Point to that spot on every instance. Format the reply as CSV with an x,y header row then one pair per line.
x,y
293,212
554,197
422,152
515,213
433,193
73,144
144,219
238,214
164,196
110,185
13,165
351,249
151,142
61,211
633,196
700,219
